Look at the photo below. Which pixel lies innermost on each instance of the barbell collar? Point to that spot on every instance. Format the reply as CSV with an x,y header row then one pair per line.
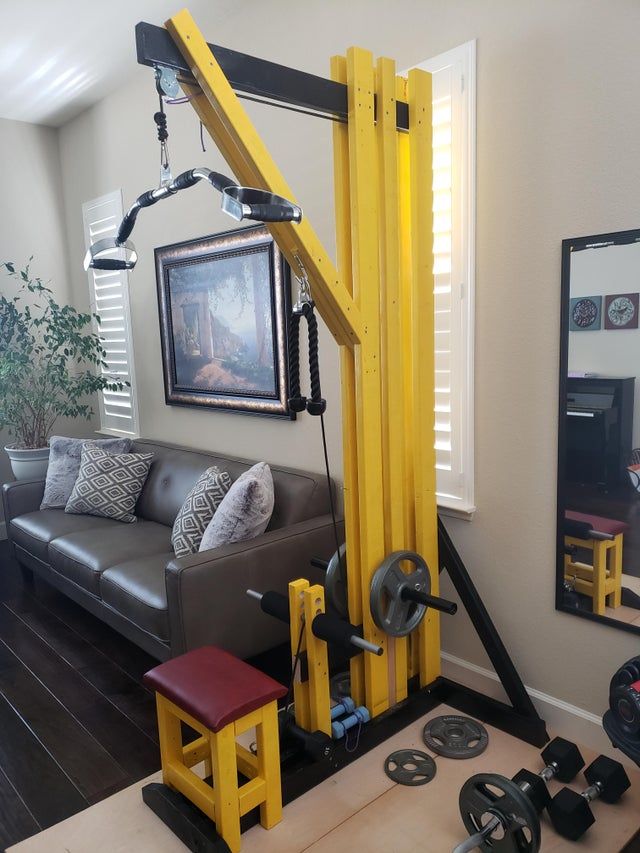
x,y
434,601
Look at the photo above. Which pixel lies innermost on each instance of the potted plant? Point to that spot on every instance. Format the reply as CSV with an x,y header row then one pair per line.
x,y
50,365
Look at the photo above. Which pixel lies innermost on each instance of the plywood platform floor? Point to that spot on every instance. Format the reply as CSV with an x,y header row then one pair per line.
x,y
358,809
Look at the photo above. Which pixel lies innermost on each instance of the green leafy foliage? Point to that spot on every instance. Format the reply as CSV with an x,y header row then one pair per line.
x,y
51,363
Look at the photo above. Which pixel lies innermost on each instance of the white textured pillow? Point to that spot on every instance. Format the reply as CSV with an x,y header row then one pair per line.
x,y
245,510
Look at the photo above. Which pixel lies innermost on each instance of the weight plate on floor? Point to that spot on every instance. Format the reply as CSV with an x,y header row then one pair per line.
x,y
410,767
455,737
486,796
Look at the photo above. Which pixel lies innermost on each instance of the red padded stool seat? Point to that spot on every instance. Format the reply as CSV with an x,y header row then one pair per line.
x,y
213,686
597,522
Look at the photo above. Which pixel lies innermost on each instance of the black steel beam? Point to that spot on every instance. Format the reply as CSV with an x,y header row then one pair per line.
x,y
276,83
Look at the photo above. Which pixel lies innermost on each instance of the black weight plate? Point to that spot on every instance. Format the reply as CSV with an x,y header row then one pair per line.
x,y
455,736
410,767
488,795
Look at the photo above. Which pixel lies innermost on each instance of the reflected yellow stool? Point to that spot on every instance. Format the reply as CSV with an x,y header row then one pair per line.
x,y
220,697
602,580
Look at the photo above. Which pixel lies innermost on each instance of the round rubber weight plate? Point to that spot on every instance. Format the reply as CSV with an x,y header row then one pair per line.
x,y
455,736
410,767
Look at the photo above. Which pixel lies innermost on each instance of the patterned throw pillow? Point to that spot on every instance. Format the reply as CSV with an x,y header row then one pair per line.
x,y
108,485
198,509
64,464
245,511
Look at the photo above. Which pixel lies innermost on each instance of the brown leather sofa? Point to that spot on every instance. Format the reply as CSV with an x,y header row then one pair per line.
x,y
127,574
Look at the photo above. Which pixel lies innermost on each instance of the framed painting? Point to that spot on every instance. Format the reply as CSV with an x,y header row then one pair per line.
x,y
224,303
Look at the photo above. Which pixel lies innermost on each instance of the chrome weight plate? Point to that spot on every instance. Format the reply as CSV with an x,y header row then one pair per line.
x,y
455,737
410,767
391,613
487,796
335,583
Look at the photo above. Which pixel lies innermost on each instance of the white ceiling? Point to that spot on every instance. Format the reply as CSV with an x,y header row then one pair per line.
x,y
58,57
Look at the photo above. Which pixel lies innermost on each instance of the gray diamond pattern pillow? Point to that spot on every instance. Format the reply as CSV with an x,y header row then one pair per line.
x,y
246,510
107,485
198,509
64,464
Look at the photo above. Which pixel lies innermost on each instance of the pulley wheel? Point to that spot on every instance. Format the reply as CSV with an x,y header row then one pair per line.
x,y
393,614
410,767
486,796
335,583
455,737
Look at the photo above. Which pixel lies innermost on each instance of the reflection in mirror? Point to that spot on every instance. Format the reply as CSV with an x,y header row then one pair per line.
x,y
599,426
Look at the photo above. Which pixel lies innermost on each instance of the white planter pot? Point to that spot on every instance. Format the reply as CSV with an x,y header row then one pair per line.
x,y
28,464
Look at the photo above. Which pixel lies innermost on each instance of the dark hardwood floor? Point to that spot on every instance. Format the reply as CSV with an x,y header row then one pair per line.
x,y
76,723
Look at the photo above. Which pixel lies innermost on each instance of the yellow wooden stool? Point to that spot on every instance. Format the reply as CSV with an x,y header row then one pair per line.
x,y
220,697
602,580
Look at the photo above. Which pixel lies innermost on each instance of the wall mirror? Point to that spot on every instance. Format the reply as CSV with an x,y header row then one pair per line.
x,y
598,568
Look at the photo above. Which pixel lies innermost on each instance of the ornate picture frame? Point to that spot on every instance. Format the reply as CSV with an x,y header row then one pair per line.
x,y
223,303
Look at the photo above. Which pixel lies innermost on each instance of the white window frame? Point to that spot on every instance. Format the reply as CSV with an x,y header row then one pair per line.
x,y
98,225
455,487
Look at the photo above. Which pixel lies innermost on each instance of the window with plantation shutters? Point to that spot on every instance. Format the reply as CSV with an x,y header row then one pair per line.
x,y
109,297
454,261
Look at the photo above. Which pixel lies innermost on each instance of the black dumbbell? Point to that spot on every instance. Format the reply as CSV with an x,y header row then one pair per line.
x,y
563,761
570,812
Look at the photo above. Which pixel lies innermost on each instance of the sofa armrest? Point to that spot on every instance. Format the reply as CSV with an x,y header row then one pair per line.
x,y
21,497
206,591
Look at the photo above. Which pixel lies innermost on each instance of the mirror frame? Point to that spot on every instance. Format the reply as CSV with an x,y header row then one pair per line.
x,y
615,238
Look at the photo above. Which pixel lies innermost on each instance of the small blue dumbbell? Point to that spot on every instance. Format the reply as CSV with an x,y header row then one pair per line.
x,y
345,707
340,727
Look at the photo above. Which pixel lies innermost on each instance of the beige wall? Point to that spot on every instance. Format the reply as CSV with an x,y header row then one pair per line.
x,y
558,122
32,221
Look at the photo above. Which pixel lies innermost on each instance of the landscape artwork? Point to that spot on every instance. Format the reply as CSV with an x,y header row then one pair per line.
x,y
223,302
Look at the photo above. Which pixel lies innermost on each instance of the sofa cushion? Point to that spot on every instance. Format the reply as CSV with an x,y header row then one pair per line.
x,y
136,589
82,557
197,510
64,464
35,530
298,494
109,485
245,511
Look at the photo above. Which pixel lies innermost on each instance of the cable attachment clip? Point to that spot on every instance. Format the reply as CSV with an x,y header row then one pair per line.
x,y
304,286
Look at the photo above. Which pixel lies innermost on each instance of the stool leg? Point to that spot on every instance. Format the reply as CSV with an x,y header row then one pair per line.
x,y
170,736
225,786
615,598
599,575
268,743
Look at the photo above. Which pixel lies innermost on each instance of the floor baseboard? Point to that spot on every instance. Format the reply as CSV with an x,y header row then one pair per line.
x,y
561,717
3,530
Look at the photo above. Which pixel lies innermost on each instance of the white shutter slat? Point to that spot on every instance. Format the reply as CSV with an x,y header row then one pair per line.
x,y
109,296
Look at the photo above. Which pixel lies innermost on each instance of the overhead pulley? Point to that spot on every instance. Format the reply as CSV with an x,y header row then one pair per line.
x,y
398,599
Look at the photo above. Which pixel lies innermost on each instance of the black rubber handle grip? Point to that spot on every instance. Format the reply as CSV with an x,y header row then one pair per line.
x,y
276,604
221,182
126,226
184,180
434,601
317,563
108,264
271,213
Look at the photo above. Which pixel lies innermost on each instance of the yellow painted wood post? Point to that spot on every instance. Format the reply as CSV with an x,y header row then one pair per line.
x,y
267,743
342,194
423,336
615,572
599,575
170,737
297,639
366,273
225,786
233,132
317,664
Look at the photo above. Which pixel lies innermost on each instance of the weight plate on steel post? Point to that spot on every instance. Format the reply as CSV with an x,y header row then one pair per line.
x,y
455,737
335,583
391,613
486,796
410,767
